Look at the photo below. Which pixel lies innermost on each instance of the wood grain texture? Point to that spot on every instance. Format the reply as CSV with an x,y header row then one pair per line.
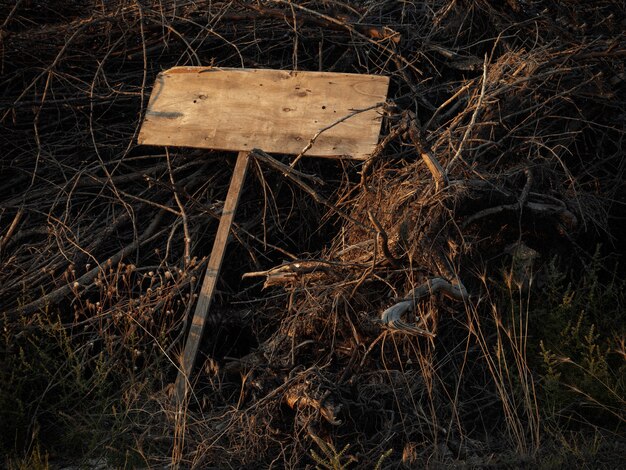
x,y
275,110
211,275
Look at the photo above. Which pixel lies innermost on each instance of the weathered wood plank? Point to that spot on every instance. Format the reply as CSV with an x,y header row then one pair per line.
x,y
277,111
211,275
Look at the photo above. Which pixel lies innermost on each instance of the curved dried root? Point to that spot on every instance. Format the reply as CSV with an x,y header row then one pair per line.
x,y
392,317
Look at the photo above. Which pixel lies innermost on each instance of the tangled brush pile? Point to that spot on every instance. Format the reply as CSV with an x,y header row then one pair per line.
x,y
363,303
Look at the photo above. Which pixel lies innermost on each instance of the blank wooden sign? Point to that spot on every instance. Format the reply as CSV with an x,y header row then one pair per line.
x,y
274,110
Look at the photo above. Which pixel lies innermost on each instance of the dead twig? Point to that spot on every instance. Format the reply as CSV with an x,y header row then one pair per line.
x,y
86,279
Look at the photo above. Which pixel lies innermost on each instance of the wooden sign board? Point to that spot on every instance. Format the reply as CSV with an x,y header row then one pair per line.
x,y
275,110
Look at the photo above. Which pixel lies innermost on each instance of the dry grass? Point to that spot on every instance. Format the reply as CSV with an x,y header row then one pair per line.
x,y
502,150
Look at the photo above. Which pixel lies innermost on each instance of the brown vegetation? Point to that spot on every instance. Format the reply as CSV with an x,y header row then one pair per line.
x,y
476,221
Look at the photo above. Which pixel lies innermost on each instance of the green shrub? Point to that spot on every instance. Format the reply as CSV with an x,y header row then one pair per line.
x,y
578,328
79,383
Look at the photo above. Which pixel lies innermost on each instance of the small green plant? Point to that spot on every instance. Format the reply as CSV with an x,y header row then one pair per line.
x,y
382,458
579,329
331,460
35,460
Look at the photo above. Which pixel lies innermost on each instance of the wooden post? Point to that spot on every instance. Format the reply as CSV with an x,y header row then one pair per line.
x,y
210,278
